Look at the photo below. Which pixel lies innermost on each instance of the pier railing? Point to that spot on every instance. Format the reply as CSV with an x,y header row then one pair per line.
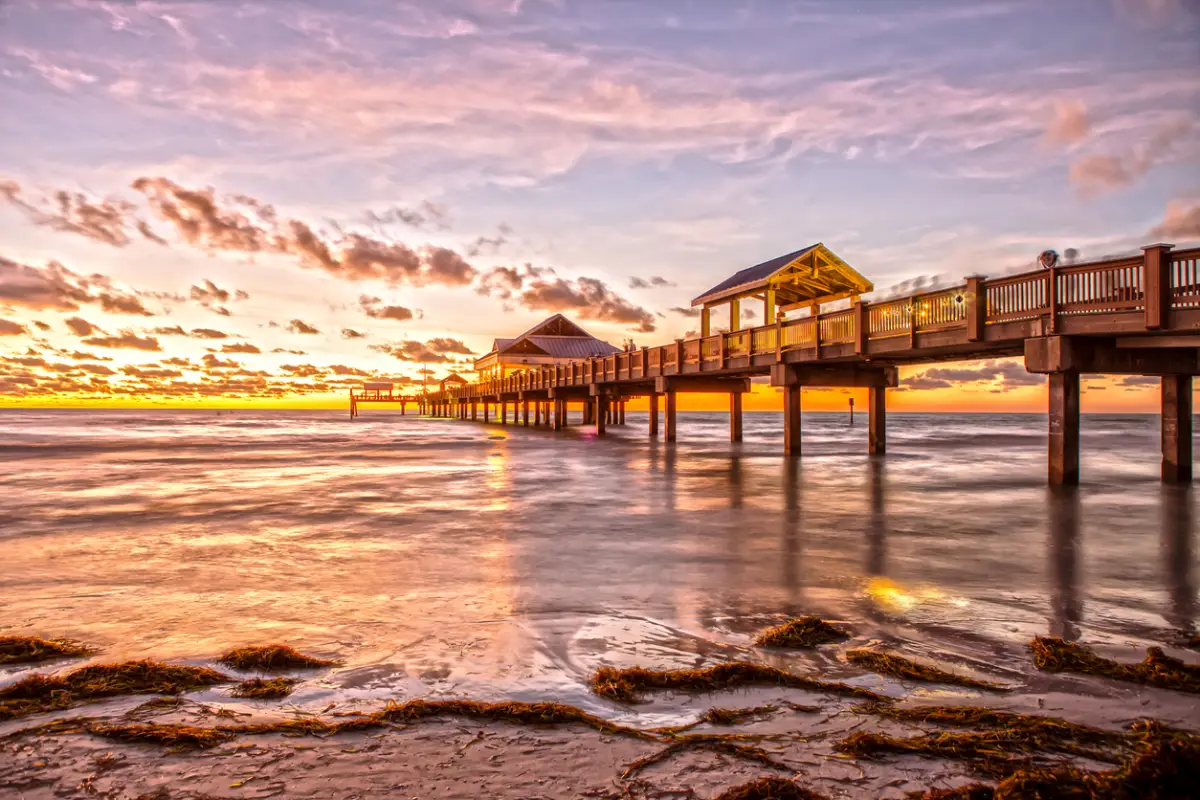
x,y
1158,281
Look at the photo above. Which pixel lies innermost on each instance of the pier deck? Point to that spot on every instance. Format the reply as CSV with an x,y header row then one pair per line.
x,y
1138,315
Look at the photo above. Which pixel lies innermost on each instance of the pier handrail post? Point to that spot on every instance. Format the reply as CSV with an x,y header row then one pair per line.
x,y
976,297
1156,284
860,327
1052,299
679,356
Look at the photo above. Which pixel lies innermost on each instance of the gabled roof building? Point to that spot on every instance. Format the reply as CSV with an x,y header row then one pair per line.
x,y
805,278
556,340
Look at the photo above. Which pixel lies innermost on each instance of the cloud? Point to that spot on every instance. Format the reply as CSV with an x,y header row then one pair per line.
x,y
1097,173
1008,374
374,308
427,214
240,347
1070,123
350,333
300,326
1182,221
212,297
108,221
56,288
302,370
210,361
434,351
290,352
505,282
242,224
9,328
653,282
339,369
589,298
80,327
127,340
686,312
207,333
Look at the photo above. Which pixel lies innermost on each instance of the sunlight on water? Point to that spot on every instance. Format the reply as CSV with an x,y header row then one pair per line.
x,y
459,559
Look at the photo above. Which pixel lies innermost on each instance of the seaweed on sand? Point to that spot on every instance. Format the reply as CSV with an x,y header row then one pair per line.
x,y
515,712
802,632
734,716
41,693
769,789
726,745
176,736
627,684
1156,669
1047,729
28,649
265,688
994,753
1166,767
271,658
888,664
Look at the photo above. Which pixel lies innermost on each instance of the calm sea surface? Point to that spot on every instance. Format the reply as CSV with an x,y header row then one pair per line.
x,y
438,557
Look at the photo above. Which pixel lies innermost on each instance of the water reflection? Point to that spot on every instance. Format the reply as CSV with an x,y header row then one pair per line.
x,y
876,519
792,533
1066,607
1177,526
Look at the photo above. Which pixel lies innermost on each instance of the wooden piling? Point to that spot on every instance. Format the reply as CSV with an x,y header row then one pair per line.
x,y
669,415
601,413
525,413
877,420
653,415
791,419
1064,428
1177,428
735,416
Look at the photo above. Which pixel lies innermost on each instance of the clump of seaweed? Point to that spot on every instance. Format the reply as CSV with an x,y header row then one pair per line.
x,y
265,688
516,712
969,791
28,649
1157,669
769,789
271,658
174,736
726,745
802,632
41,693
994,753
888,664
627,684
1051,728
734,716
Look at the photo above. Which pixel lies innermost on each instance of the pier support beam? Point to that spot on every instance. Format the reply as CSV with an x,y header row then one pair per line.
x,y
525,413
557,424
1064,428
621,413
877,422
1177,428
503,412
486,411
735,417
653,415
602,412
669,415
791,419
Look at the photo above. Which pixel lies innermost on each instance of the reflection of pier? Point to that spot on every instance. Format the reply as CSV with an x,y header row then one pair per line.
x,y
1137,315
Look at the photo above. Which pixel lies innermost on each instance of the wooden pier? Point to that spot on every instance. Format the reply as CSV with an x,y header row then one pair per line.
x,y
379,393
1130,316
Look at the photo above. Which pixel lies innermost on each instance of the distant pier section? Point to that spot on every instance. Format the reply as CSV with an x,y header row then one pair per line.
x,y
1128,316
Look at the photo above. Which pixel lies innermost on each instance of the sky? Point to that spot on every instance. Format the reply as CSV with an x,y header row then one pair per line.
x,y
225,203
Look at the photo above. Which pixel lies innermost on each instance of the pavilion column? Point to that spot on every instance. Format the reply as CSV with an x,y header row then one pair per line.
x,y
1177,428
877,422
601,413
735,416
705,322
525,413
1064,428
669,414
735,315
791,420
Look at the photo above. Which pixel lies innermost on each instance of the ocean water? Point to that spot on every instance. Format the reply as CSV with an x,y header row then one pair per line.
x,y
447,558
